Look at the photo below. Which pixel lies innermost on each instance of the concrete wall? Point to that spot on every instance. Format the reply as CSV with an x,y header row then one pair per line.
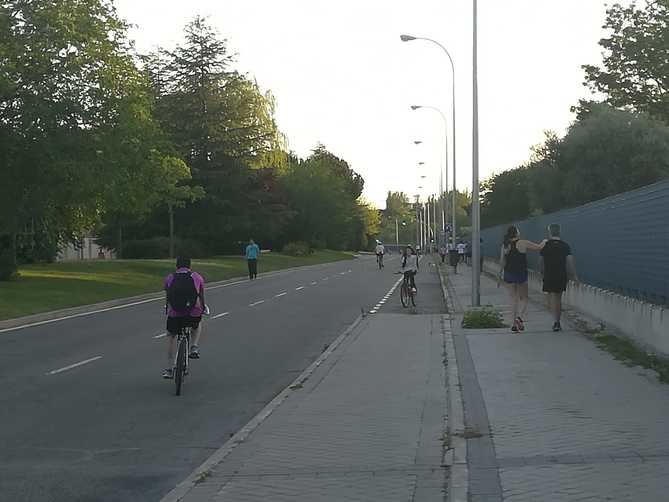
x,y
88,251
644,323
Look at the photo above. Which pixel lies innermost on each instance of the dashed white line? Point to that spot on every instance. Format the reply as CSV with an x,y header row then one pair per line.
x,y
280,295
160,335
324,279
256,303
75,365
314,283
342,273
221,315
299,288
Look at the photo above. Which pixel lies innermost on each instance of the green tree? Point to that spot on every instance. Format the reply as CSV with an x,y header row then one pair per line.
x,y
69,83
545,179
504,197
323,191
612,151
635,72
224,127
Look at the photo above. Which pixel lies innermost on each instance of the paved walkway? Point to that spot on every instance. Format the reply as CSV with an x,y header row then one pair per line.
x,y
367,425
558,418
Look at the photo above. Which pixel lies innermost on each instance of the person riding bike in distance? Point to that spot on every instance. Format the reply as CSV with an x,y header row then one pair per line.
x,y
409,263
380,251
185,304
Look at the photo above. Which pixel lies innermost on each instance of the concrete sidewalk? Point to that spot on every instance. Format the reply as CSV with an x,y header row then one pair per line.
x,y
551,417
368,424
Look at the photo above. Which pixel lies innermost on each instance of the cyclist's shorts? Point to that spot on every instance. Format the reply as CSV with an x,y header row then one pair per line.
x,y
174,324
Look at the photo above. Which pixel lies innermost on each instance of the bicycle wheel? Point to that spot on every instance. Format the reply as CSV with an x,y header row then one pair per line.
x,y
412,297
180,370
404,295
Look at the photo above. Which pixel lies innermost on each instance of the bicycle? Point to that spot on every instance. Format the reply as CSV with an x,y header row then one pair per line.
x,y
407,295
379,260
181,362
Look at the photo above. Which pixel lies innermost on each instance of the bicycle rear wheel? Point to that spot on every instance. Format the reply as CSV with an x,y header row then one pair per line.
x,y
412,297
180,370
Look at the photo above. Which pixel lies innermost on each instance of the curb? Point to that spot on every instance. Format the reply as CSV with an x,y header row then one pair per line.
x,y
120,303
180,491
456,455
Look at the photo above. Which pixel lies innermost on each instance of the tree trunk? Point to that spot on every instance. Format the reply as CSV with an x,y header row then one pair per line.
x,y
8,267
170,211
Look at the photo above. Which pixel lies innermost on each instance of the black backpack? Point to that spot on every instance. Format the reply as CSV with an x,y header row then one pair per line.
x,y
182,295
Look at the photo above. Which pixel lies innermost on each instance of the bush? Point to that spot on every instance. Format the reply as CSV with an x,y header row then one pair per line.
x,y
159,248
190,248
484,318
297,249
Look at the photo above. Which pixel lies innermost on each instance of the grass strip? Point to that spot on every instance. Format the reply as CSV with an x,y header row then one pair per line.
x,y
631,355
54,286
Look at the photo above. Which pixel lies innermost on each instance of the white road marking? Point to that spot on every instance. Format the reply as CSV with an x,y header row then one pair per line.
x,y
280,295
75,365
342,273
81,314
160,335
300,288
372,311
126,305
324,279
256,303
314,283
226,285
221,315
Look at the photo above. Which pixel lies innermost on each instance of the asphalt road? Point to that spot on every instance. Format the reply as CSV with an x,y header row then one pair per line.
x,y
112,430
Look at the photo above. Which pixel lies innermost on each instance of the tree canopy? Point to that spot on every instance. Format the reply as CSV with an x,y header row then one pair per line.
x,y
635,71
97,138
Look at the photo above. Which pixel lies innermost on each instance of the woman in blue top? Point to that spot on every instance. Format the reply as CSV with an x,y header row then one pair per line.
x,y
513,271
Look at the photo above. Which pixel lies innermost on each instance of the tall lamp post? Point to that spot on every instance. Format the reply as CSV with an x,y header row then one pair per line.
x,y
476,207
409,38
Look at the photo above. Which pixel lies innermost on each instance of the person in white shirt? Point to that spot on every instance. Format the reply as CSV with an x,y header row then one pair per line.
x,y
380,251
462,248
409,263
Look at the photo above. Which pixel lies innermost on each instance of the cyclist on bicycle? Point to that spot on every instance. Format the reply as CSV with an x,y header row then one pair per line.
x,y
184,301
380,251
410,266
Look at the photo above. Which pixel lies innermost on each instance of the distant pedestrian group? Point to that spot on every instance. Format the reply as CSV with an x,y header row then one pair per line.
x,y
556,265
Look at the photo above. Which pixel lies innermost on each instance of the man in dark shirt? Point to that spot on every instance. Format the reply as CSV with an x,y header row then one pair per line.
x,y
557,266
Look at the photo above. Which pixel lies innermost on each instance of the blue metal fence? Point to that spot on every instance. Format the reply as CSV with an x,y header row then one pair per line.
x,y
620,243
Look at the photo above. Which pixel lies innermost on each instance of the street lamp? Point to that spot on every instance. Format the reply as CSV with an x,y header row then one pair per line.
x,y
409,38
434,108
476,208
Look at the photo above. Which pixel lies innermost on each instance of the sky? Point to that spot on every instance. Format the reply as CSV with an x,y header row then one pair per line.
x,y
342,77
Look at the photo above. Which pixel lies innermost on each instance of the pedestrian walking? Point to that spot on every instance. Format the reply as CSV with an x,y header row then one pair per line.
x,y
442,252
453,256
513,272
462,248
556,265
252,252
